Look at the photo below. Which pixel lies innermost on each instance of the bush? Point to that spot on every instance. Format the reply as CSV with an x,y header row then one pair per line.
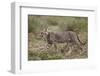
x,y
52,22
33,24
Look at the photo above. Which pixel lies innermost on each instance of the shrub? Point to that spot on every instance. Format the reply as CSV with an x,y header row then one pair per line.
x,y
33,24
52,22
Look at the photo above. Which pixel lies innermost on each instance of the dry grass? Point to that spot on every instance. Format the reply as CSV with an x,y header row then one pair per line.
x,y
38,51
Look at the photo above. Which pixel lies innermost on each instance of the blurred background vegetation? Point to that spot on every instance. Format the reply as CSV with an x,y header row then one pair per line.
x,y
37,23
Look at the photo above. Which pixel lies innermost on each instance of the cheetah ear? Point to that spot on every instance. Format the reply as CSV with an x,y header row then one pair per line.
x,y
46,29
